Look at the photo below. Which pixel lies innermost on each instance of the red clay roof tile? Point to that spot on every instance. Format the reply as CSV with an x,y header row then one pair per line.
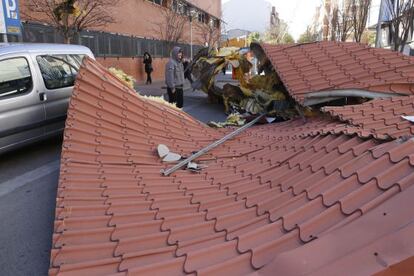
x,y
326,65
373,239
263,196
383,120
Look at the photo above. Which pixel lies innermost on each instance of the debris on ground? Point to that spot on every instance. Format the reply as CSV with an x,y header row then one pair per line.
x,y
260,94
208,63
160,100
233,119
127,79
236,119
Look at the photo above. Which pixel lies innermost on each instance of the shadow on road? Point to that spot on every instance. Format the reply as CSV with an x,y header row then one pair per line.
x,y
27,212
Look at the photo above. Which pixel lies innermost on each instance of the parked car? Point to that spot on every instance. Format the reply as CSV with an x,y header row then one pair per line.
x,y
36,82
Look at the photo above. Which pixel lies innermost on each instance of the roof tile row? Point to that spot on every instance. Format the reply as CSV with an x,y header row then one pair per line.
x,y
382,117
265,193
327,66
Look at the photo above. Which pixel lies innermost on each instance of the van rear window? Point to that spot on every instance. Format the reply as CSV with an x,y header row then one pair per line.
x,y
59,71
15,77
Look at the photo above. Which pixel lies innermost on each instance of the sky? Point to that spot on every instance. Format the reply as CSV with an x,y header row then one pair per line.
x,y
297,13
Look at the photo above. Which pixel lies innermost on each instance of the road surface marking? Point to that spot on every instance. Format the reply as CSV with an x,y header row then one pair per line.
x,y
33,175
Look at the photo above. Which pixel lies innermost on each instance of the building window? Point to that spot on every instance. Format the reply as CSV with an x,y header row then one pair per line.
x,y
158,2
202,17
180,7
216,23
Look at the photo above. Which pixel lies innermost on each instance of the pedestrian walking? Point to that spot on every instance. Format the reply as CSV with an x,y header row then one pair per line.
x,y
148,67
187,70
174,77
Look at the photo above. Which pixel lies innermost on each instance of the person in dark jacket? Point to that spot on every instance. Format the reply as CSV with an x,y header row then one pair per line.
x,y
148,66
174,77
187,70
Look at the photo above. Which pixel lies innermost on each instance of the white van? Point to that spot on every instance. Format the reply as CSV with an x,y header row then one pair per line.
x,y
36,82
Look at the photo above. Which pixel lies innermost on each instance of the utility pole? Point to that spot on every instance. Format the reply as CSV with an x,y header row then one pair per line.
x,y
191,33
378,37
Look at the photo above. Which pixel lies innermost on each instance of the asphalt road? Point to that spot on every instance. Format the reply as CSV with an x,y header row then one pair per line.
x,y
28,184
195,102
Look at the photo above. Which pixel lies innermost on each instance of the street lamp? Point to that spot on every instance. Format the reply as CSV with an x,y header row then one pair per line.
x,y
192,12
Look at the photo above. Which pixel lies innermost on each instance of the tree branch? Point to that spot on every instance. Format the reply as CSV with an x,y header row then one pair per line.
x,y
85,14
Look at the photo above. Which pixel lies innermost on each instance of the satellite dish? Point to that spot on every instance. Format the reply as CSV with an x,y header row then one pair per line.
x,y
163,150
171,157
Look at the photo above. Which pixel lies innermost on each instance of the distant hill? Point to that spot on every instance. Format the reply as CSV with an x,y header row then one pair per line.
x,y
251,15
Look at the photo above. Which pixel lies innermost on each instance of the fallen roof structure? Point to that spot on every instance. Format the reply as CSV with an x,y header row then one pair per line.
x,y
321,197
382,117
318,72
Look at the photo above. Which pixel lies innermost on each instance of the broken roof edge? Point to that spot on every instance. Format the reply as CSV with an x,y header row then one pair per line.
x,y
258,50
254,45
313,98
265,54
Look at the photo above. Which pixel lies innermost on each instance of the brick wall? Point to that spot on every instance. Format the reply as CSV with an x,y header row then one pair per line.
x,y
135,67
141,18
213,7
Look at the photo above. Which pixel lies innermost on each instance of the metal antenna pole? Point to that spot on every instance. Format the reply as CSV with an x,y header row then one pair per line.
x,y
209,147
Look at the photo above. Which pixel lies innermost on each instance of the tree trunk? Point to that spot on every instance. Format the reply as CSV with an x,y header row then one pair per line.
x,y
66,39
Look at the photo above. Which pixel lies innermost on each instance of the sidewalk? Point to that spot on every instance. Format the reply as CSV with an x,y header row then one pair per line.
x,y
157,88
195,102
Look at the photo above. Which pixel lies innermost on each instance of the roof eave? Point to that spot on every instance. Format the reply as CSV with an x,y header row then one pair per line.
x,y
313,98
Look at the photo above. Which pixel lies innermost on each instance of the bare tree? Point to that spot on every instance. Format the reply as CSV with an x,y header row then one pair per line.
x,y
334,24
209,33
326,20
401,22
308,36
70,17
344,23
360,9
279,34
171,27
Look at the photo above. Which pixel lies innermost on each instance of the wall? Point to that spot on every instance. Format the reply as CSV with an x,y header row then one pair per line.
x,y
213,7
135,67
142,18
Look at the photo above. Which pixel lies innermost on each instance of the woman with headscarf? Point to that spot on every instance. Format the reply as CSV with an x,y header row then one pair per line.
x,y
148,66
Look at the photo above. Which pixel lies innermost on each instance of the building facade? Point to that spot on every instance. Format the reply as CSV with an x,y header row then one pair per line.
x,y
387,12
136,30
